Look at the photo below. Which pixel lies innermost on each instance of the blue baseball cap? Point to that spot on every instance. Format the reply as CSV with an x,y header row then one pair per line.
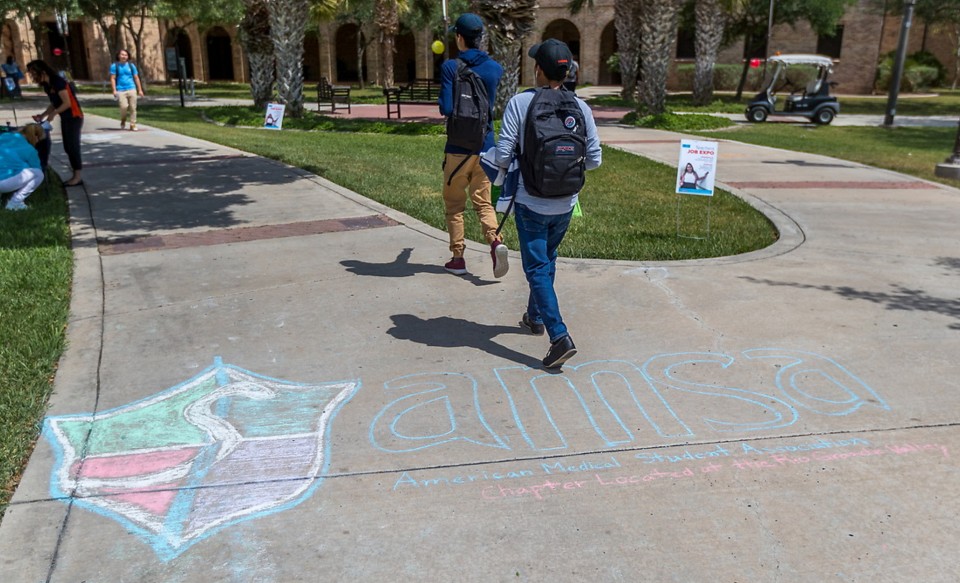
x,y
469,25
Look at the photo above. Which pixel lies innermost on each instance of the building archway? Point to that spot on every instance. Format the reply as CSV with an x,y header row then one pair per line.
x,y
179,40
311,57
346,54
219,55
566,31
404,57
608,48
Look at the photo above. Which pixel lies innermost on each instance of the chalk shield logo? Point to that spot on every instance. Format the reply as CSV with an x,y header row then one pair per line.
x,y
223,447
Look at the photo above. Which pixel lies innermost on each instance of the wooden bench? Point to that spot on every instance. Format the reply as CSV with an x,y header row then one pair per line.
x,y
423,91
331,95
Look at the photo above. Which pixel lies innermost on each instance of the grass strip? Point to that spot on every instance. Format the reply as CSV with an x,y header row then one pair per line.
x,y
36,267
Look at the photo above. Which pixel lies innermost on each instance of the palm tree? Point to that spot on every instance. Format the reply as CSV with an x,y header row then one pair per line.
x,y
255,36
288,26
627,20
711,21
658,33
387,19
508,23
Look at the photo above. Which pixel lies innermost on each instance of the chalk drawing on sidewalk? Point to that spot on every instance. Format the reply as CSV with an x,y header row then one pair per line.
x,y
226,446
616,400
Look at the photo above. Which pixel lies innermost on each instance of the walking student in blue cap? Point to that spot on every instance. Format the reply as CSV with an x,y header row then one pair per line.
x,y
462,173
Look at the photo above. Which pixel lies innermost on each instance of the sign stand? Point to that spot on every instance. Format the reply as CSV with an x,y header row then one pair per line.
x,y
685,236
695,176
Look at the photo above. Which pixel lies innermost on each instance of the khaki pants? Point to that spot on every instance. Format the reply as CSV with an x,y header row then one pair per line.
x,y
128,106
462,175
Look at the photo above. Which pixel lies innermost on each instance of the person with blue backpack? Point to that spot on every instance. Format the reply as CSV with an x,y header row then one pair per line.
x,y
468,88
125,82
553,136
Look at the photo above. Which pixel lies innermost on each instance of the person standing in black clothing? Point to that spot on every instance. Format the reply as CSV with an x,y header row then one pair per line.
x,y
63,102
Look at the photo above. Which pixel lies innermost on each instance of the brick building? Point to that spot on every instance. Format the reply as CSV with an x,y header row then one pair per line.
x,y
330,51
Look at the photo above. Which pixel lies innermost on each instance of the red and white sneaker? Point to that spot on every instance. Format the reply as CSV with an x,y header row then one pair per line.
x,y
456,266
498,251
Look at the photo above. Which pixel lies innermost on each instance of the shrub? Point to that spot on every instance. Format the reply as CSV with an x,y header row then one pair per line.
x,y
921,70
726,77
687,122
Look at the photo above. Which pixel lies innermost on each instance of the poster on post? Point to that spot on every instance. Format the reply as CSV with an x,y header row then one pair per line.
x,y
697,167
274,118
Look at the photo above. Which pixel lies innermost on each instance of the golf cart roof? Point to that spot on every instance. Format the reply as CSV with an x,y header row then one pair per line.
x,y
817,60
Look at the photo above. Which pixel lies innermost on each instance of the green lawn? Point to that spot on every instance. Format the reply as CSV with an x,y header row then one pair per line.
x,y
911,150
36,266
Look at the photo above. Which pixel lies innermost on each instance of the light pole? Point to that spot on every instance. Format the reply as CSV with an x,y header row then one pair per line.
x,y
899,61
446,31
766,50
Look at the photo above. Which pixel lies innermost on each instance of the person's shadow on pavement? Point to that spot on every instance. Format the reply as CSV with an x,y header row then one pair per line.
x,y
401,267
447,332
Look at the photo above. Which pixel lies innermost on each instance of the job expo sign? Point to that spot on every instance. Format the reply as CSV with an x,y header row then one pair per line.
x,y
697,167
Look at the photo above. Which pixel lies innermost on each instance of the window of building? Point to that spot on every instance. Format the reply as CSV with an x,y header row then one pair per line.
x,y
829,45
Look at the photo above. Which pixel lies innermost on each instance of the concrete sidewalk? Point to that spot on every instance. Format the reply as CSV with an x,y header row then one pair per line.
x,y
271,378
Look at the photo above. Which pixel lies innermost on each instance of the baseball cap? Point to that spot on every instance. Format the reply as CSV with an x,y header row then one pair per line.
x,y
468,25
554,58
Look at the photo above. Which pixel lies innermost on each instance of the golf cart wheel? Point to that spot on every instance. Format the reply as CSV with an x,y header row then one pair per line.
x,y
824,116
757,115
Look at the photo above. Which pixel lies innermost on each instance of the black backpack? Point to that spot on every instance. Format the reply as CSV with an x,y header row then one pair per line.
x,y
467,125
553,157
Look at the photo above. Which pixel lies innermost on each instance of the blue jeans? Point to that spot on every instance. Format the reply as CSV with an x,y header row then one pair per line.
x,y
539,236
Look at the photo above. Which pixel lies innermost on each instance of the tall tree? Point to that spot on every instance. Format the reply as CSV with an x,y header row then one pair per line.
x,y
508,23
255,37
135,23
387,19
748,20
658,33
711,21
108,14
627,19
288,27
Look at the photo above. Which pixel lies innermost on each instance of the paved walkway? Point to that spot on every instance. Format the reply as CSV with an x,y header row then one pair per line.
x,y
271,378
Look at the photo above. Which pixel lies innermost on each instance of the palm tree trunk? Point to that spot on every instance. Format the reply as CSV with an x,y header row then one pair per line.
x,y
658,33
627,22
711,22
508,23
255,37
388,21
288,24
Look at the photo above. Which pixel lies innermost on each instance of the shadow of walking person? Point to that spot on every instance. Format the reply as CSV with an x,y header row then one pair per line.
x,y
401,267
447,332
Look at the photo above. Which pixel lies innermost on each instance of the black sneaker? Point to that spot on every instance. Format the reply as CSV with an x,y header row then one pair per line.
x,y
534,327
560,352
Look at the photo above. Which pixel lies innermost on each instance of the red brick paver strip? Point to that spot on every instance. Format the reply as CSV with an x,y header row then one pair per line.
x,y
139,244
903,185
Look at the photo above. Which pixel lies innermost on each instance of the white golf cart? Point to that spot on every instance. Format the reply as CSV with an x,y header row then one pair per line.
x,y
812,101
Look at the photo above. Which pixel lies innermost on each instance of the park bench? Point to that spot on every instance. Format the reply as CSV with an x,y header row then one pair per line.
x,y
423,91
331,95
